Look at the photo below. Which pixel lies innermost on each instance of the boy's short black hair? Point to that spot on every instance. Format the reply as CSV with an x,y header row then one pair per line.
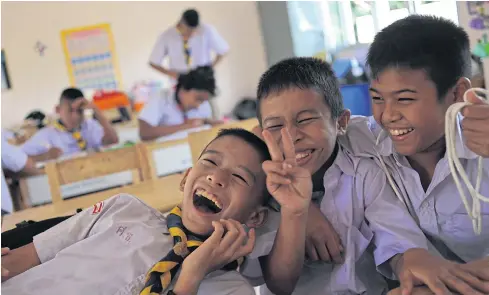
x,y
71,94
256,142
191,17
433,44
303,73
38,116
201,78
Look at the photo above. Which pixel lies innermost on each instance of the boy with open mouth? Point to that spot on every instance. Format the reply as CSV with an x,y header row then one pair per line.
x,y
109,249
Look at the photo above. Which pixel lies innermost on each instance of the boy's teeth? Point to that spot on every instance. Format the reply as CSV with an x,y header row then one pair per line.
x,y
209,196
397,132
301,155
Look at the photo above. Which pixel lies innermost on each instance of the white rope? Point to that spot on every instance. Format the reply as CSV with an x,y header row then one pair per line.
x,y
456,168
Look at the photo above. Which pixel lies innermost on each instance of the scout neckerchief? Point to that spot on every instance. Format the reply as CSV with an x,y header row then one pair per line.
x,y
160,276
76,134
186,49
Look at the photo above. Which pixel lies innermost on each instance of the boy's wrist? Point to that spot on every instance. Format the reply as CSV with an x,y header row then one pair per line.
x,y
294,213
188,281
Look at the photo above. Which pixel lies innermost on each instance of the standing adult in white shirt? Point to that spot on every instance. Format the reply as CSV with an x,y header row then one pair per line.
x,y
188,45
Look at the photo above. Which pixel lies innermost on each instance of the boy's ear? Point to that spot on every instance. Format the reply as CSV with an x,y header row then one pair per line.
x,y
463,84
258,217
342,121
57,108
184,179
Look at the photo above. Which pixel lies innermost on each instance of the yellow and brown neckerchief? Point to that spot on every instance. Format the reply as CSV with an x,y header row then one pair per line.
x,y
76,134
186,49
160,276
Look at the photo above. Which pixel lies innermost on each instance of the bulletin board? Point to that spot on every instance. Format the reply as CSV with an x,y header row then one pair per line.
x,y
91,58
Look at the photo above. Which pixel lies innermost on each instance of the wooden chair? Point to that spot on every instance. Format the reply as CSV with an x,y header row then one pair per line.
x,y
97,165
199,140
158,147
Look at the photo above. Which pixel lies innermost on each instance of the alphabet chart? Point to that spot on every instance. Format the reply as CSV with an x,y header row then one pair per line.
x,y
90,57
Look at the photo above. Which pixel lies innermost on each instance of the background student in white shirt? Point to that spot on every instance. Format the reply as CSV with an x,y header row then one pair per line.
x,y
14,161
179,109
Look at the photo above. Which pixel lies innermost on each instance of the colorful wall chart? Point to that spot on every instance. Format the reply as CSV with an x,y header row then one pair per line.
x,y
90,57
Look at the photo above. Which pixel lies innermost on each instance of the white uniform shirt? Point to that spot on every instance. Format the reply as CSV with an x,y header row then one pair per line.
x,y
373,226
107,250
440,209
202,43
13,159
163,110
91,131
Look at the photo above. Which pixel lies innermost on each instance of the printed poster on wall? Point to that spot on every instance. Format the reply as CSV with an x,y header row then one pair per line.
x,y
91,58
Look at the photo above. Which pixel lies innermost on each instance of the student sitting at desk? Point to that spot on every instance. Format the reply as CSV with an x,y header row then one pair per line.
x,y
71,133
122,246
15,162
180,109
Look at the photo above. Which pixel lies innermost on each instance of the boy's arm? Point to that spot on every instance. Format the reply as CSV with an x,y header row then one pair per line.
x,y
216,252
158,54
218,44
19,260
110,134
291,186
49,243
283,266
148,132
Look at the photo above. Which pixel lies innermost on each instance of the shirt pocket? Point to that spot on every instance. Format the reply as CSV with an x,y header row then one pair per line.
x,y
459,235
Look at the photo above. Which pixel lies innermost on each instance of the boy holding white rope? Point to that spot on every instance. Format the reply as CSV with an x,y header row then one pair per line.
x,y
419,66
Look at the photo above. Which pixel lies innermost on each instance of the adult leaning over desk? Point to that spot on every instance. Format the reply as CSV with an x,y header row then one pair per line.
x,y
187,45
180,108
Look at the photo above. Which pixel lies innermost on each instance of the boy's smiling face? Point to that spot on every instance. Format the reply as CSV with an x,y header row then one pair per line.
x,y
405,103
227,182
308,119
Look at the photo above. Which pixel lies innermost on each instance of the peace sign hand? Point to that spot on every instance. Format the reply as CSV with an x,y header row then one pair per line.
x,y
288,183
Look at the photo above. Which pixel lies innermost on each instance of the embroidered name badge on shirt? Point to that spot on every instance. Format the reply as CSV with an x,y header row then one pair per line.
x,y
97,208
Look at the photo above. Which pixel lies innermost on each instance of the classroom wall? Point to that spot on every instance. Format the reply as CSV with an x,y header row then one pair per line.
x,y
37,81
475,35
464,19
274,20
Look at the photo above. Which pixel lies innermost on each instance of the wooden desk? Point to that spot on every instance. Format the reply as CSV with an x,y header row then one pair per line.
x,y
162,194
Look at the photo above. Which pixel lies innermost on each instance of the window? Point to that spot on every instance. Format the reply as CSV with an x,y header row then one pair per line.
x,y
326,26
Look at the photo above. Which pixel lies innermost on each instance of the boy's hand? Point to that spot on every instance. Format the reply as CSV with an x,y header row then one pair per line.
x,y
416,291
192,123
84,104
219,250
322,241
52,154
213,122
417,267
474,125
5,271
288,183
478,268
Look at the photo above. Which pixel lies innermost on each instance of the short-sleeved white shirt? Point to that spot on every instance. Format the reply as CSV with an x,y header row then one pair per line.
x,y
439,210
107,250
163,110
202,43
91,131
13,159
